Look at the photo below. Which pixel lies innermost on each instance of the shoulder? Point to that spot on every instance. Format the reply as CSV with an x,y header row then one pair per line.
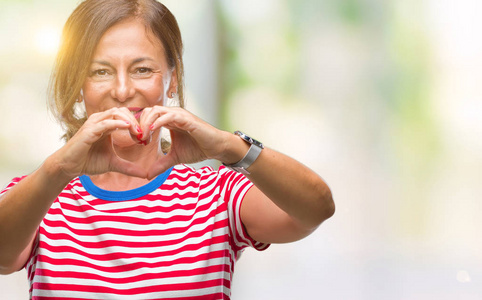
x,y
186,170
73,184
205,174
183,170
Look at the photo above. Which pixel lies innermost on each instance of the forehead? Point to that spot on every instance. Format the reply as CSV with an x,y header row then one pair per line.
x,y
129,38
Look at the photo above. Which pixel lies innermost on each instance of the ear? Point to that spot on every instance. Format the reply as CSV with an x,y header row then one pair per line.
x,y
172,84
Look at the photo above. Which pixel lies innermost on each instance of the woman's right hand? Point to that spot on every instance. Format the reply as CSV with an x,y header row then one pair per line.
x,y
90,151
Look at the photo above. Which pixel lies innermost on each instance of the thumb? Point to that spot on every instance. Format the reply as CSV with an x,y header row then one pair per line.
x,y
128,168
163,163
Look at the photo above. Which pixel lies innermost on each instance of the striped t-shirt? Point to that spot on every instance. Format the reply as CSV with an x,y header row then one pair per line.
x,y
177,237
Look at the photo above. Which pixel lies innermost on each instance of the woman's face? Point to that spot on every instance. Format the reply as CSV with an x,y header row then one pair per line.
x,y
128,69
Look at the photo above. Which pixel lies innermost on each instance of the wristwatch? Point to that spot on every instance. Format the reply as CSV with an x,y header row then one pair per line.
x,y
253,153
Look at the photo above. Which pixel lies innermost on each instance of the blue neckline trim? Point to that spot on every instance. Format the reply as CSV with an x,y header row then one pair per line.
x,y
96,191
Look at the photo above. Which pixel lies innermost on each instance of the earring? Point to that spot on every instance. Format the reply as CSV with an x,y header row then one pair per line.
x,y
81,97
173,94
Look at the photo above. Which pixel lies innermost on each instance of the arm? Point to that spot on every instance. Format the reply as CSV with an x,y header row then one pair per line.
x,y
288,201
23,207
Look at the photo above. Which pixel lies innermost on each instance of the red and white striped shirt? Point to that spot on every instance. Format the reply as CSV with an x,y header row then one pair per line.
x,y
177,237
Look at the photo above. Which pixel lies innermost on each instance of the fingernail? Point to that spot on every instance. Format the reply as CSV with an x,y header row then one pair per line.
x,y
151,127
138,129
139,136
128,123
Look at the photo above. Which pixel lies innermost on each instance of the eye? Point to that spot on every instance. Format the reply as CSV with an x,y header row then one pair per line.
x,y
99,72
143,71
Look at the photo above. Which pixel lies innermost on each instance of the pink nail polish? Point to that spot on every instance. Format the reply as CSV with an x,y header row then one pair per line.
x,y
139,130
151,127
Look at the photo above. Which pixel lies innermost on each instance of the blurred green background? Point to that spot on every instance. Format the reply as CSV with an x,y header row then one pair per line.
x,y
381,98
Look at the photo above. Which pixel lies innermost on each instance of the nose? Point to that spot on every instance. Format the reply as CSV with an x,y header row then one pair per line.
x,y
123,88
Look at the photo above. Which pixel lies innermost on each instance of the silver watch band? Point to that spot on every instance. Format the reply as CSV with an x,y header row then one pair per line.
x,y
252,154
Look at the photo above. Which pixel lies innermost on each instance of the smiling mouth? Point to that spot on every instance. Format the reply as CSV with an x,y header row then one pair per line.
x,y
136,112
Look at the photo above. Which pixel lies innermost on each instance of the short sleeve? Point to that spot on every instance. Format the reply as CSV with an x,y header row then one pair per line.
x,y
11,184
235,187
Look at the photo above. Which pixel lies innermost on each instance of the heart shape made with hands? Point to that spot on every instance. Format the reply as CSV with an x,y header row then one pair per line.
x,y
123,138
192,140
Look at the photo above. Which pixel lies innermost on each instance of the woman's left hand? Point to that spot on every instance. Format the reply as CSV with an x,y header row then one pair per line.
x,y
288,200
192,139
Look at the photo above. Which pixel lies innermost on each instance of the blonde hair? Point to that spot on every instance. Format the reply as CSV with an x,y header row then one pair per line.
x,y
81,33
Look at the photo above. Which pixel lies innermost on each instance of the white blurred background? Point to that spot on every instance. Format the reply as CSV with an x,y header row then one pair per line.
x,y
380,97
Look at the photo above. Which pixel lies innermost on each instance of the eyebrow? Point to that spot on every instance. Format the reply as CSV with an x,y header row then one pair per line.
x,y
135,61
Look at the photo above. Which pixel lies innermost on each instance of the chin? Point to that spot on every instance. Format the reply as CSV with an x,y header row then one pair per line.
x,y
122,138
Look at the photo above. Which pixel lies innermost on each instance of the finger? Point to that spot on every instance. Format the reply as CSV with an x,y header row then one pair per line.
x,y
147,118
104,128
175,118
135,130
125,114
118,114
162,120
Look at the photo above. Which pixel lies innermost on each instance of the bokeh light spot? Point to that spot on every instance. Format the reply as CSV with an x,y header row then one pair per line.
x,y
47,40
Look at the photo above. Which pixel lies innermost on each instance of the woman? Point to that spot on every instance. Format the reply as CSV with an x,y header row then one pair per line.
x,y
111,215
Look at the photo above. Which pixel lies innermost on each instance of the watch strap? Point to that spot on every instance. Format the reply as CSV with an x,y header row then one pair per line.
x,y
252,154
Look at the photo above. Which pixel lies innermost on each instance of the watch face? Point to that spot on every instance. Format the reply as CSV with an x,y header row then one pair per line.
x,y
255,142
249,139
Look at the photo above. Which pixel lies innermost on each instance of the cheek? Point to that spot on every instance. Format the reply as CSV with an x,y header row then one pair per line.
x,y
93,95
153,91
